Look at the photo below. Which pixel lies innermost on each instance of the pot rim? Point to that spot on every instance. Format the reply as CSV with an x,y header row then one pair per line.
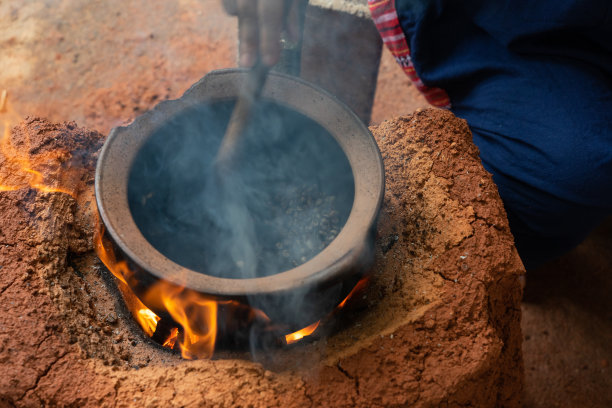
x,y
341,256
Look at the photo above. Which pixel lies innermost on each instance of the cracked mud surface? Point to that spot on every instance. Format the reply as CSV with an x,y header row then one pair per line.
x,y
440,322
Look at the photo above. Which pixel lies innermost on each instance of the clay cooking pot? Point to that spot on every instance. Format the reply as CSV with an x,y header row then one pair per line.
x,y
321,282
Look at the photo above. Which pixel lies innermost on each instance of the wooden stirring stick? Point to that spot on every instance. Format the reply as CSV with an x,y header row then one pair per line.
x,y
247,98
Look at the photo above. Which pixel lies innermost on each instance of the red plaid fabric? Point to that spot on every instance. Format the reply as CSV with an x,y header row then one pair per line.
x,y
386,20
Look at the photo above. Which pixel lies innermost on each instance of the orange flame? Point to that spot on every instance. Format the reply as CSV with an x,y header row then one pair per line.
x,y
148,320
363,282
23,173
119,269
145,317
196,314
309,330
171,340
300,334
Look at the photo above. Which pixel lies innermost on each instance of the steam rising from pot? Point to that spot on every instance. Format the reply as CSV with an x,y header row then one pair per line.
x,y
286,198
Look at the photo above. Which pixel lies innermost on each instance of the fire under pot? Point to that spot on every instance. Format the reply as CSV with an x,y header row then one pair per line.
x,y
271,246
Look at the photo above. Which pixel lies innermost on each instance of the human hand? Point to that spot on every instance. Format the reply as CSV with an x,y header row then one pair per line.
x,y
261,24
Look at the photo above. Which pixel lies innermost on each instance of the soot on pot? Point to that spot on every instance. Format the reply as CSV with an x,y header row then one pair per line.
x,y
286,196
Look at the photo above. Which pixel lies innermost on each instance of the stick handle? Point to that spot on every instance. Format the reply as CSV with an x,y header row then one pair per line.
x,y
248,96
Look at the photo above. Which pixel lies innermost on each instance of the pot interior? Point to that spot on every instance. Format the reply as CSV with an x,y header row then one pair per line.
x,y
286,196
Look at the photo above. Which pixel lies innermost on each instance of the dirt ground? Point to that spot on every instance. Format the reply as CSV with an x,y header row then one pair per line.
x,y
102,63
567,327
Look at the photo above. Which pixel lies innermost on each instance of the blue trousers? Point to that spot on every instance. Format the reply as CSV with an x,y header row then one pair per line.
x,y
534,82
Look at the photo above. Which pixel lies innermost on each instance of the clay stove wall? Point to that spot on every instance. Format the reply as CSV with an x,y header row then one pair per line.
x,y
439,324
